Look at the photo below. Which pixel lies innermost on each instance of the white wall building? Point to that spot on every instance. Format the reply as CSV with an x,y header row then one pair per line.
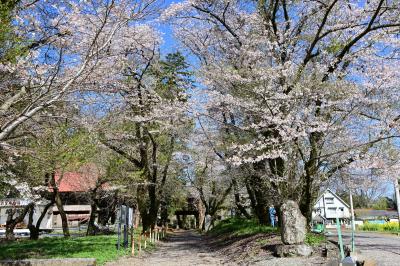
x,y
19,204
329,206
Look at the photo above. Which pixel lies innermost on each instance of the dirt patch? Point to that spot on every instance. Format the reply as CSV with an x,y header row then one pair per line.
x,y
180,248
259,249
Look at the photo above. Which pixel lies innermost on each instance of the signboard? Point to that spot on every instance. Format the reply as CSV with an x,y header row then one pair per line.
x,y
125,218
13,202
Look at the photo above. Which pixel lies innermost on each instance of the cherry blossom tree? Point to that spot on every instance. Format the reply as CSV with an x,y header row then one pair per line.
x,y
305,87
64,44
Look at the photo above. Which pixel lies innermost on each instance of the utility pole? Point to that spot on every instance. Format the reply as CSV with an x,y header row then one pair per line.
x,y
396,190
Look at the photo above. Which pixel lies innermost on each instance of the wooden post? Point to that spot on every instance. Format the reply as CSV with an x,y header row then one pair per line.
x,y
151,236
140,244
133,241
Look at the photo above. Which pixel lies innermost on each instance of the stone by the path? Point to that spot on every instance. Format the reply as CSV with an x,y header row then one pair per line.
x,y
293,250
293,224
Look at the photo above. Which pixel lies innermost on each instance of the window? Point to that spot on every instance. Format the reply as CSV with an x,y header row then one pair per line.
x,y
329,200
331,211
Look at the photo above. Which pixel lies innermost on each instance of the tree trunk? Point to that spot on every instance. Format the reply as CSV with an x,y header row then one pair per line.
x,y
59,204
64,219
91,230
164,213
34,230
238,203
12,222
258,203
261,208
10,231
307,200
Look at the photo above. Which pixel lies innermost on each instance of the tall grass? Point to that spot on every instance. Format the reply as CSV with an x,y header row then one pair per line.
x,y
387,227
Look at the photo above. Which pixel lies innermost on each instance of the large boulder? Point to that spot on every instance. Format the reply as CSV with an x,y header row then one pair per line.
x,y
293,224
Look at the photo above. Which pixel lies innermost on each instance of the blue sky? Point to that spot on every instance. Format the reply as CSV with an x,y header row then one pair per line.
x,y
170,44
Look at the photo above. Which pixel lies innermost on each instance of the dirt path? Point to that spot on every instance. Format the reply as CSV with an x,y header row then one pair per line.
x,y
180,248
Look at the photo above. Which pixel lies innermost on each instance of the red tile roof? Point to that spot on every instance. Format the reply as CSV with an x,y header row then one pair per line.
x,y
75,182
79,181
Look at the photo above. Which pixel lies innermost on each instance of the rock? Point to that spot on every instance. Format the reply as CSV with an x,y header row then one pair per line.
x,y
331,251
293,250
293,229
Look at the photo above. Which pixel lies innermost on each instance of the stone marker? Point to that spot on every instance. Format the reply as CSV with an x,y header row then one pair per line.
x,y
293,232
293,229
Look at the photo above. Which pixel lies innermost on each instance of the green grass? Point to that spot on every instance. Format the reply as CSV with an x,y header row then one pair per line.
x,y
392,227
314,240
102,247
240,227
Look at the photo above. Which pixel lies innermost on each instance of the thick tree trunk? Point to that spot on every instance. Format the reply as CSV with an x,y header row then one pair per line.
x,y
12,222
258,203
238,203
262,208
307,200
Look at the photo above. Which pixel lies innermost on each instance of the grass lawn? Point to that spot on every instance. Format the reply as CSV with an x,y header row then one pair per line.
x,y
241,227
102,247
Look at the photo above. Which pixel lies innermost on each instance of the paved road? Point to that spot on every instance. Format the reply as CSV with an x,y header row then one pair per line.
x,y
383,248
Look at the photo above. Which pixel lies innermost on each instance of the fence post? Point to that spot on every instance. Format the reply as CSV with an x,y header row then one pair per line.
x,y
140,243
145,240
133,241
151,236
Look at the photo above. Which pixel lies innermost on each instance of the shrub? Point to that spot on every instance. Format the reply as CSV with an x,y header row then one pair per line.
x,y
387,227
